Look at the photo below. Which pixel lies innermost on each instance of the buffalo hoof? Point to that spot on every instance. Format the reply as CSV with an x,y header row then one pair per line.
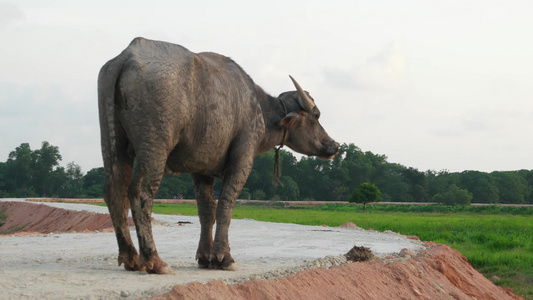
x,y
223,262
161,271
131,262
157,266
231,267
203,263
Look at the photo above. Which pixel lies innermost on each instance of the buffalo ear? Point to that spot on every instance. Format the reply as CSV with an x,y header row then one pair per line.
x,y
289,121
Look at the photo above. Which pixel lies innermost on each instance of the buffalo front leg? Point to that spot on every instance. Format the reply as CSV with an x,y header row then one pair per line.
x,y
144,186
203,188
116,198
234,181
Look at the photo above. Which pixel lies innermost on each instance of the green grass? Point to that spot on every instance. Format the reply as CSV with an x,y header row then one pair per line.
x,y
497,241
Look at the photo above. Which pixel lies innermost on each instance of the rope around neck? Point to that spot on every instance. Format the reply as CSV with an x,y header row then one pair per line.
x,y
277,167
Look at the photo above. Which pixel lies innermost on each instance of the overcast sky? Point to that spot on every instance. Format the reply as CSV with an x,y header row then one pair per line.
x,y
430,84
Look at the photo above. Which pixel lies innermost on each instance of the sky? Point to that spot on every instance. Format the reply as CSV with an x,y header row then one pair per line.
x,y
433,85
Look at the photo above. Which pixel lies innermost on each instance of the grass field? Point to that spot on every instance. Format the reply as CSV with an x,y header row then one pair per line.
x,y
497,241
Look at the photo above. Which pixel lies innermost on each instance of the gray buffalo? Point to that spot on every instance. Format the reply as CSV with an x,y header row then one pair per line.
x,y
175,111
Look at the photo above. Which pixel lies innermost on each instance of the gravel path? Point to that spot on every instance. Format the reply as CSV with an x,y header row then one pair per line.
x,y
83,265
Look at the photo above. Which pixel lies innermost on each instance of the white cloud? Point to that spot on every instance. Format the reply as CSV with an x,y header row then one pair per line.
x,y
384,71
9,14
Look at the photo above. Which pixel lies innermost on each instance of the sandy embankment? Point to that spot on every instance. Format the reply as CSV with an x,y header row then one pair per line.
x,y
68,254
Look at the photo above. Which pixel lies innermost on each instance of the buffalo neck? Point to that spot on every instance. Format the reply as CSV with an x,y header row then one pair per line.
x,y
273,111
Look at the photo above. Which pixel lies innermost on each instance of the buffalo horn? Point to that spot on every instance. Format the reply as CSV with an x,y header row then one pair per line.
x,y
306,102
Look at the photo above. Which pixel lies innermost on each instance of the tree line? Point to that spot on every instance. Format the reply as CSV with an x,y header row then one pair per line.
x,y
37,173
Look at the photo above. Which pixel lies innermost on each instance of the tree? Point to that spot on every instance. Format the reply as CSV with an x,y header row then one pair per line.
x,y
417,184
307,178
28,173
289,191
484,188
454,196
260,177
258,195
73,181
3,179
245,193
43,164
393,185
357,165
93,182
512,186
95,176
528,176
440,182
365,193
19,171
172,186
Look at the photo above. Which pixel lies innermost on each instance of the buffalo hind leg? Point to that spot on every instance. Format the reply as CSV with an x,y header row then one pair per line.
x,y
142,190
116,198
203,188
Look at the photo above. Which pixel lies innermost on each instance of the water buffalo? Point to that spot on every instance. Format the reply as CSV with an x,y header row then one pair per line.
x,y
176,111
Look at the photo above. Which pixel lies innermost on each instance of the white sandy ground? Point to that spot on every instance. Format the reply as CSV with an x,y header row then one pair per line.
x,y
84,265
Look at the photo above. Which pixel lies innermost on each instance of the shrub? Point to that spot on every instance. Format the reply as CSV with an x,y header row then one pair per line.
x,y
258,195
454,196
365,193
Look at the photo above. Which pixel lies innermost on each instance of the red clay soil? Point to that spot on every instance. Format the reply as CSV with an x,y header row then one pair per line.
x,y
439,272
30,218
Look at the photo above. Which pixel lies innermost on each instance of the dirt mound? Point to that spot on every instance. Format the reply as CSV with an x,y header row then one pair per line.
x,y
29,218
439,272
349,225
359,254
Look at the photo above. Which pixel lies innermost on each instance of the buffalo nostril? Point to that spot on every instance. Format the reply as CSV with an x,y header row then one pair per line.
x,y
333,148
